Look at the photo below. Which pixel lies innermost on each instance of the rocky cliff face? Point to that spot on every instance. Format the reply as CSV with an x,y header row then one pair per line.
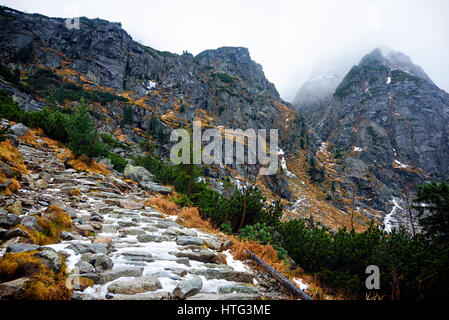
x,y
389,120
222,88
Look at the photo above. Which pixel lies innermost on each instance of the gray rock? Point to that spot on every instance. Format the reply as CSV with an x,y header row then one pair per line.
x,y
109,228
103,262
13,233
230,275
14,140
188,288
71,211
19,129
85,267
112,275
32,223
187,240
13,290
8,220
134,232
51,259
202,255
138,174
151,238
138,256
66,235
21,247
135,286
81,248
238,289
155,187
95,277
184,261
175,231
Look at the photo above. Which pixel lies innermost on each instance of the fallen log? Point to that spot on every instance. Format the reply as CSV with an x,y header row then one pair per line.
x,y
279,277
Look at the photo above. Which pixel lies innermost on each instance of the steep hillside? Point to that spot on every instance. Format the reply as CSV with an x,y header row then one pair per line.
x,y
387,121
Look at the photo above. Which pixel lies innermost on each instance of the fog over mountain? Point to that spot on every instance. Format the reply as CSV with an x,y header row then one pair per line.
x,y
290,39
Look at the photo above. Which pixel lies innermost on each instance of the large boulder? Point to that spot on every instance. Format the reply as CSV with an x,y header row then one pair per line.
x,y
145,179
188,288
19,129
138,174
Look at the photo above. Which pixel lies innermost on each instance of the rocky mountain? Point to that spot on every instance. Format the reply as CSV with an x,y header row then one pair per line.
x,y
387,121
358,146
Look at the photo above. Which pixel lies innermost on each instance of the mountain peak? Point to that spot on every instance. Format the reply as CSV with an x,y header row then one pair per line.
x,y
393,60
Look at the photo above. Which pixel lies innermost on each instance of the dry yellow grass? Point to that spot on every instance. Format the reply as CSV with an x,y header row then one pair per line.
x,y
163,205
53,222
85,164
11,158
44,284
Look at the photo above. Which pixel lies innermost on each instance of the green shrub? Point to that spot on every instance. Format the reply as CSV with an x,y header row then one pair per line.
x,y
128,115
82,134
226,228
113,142
260,233
183,201
119,163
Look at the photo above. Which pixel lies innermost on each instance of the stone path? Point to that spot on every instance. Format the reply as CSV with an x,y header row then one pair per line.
x,y
127,250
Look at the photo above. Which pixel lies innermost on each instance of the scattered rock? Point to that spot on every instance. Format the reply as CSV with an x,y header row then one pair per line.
x,y
81,248
41,183
21,247
32,223
103,240
66,235
13,290
128,204
187,240
103,263
112,275
184,261
15,208
202,255
139,257
85,267
135,286
51,259
13,233
19,130
188,288
151,238
238,289
8,220
230,275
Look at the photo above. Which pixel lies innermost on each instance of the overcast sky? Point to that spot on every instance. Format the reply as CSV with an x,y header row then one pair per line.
x,y
288,38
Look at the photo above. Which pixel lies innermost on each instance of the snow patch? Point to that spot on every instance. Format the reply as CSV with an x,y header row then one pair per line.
x,y
388,221
401,165
301,285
